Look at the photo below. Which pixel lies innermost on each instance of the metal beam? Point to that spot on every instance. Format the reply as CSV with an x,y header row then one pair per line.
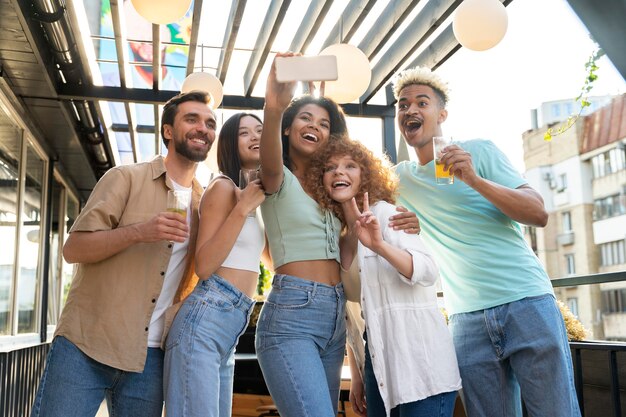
x,y
310,24
140,95
349,21
230,37
193,41
386,25
271,24
389,138
605,21
416,33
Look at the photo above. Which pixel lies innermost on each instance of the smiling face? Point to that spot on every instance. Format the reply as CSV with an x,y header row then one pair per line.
x,y
420,115
193,131
309,129
250,130
342,178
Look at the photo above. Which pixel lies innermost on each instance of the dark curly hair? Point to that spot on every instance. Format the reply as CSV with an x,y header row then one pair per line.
x,y
228,146
377,177
337,119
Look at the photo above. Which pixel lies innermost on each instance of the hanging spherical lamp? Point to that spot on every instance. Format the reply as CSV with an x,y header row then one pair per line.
x,y
480,24
203,81
162,12
353,70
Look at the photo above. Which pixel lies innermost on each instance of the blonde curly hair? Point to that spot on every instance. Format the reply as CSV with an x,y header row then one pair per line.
x,y
377,177
421,76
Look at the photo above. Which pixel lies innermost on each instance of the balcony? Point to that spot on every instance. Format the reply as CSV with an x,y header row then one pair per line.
x,y
565,239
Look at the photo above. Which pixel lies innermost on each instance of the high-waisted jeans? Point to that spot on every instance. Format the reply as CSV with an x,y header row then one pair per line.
x,y
300,344
200,350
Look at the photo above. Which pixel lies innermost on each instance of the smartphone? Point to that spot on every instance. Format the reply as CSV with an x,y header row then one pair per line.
x,y
306,68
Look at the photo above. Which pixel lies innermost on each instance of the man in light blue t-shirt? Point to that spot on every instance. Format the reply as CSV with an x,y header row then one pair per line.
x,y
507,328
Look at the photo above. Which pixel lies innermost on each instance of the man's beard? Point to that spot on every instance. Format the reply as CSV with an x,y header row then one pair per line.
x,y
183,149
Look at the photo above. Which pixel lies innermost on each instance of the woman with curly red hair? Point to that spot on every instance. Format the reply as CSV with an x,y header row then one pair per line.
x,y
410,366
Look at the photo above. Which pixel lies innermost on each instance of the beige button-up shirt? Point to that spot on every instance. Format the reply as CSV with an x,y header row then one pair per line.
x,y
110,302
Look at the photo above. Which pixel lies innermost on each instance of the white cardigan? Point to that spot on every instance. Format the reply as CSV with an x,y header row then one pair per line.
x,y
411,347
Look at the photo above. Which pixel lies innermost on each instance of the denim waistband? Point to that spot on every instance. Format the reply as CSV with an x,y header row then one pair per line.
x,y
289,281
228,291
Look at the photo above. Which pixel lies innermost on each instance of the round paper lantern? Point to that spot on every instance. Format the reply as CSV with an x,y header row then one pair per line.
x,y
204,81
353,70
162,12
480,24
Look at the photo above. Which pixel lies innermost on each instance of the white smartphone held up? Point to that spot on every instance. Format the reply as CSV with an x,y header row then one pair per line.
x,y
306,68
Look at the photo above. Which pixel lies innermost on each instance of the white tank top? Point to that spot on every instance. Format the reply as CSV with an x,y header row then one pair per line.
x,y
246,251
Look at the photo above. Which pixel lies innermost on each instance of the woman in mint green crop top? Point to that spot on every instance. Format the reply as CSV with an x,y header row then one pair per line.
x,y
300,339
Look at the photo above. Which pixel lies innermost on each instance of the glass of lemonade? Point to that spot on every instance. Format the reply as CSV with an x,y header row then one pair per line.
x,y
178,201
442,177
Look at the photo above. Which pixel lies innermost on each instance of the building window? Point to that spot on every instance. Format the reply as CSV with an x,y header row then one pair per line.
x,y
611,161
566,221
613,253
613,205
570,265
614,301
572,304
561,184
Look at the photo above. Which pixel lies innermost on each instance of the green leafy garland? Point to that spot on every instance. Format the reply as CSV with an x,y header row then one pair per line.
x,y
591,67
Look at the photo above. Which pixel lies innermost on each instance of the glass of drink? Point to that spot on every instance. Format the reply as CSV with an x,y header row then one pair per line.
x,y
178,201
442,177
246,176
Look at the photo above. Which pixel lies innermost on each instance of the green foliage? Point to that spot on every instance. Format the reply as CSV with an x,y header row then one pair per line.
x,y
265,280
591,67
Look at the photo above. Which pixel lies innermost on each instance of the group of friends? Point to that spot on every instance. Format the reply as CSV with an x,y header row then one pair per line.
x,y
159,299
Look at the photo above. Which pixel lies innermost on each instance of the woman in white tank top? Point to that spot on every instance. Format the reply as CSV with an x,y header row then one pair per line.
x,y
199,356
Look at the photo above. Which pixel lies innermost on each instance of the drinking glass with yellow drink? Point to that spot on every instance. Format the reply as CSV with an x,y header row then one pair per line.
x,y
442,177
178,201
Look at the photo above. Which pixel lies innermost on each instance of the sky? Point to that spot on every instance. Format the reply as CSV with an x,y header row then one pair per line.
x,y
541,58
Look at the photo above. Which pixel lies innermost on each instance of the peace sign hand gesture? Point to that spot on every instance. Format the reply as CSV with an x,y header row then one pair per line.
x,y
367,227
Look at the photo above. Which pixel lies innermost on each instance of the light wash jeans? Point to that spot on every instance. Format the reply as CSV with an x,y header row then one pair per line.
x,y
300,344
439,405
516,346
200,350
74,385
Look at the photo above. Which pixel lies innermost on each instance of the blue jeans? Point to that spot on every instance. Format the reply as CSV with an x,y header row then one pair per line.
x,y
73,384
519,346
439,405
200,350
300,344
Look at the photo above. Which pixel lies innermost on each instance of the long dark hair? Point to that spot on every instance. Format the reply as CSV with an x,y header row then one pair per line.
x,y
228,146
337,119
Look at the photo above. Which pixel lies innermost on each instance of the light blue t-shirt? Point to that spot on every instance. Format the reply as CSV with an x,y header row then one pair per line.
x,y
482,255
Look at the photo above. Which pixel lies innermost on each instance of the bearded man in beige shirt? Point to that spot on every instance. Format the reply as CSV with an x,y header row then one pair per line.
x,y
135,262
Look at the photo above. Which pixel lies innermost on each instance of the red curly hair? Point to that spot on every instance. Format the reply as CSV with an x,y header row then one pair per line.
x,y
377,178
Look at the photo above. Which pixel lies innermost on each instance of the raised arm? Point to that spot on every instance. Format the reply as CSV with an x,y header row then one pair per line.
x,y
223,214
277,98
522,204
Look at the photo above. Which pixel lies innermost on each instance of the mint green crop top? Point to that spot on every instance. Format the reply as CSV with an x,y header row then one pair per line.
x,y
297,228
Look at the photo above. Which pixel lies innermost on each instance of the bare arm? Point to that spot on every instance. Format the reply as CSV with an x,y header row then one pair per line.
x,y
90,247
277,98
522,204
223,217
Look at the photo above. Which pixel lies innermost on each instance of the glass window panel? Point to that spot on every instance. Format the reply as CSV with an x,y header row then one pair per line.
x,y
54,279
110,73
10,140
144,115
30,244
146,147
67,270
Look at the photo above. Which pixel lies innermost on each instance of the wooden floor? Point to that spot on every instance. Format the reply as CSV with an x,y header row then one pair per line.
x,y
244,405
